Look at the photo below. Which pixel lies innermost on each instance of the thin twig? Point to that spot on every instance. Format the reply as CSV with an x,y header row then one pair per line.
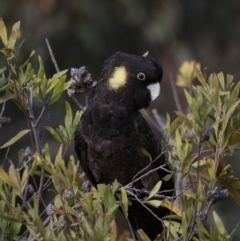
x,y
175,95
190,92
34,124
78,104
160,123
3,108
5,158
52,55
39,234
158,196
193,226
128,222
149,119
153,170
40,116
137,199
57,69
135,179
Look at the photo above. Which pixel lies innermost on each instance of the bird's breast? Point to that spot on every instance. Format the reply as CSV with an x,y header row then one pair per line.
x,y
114,145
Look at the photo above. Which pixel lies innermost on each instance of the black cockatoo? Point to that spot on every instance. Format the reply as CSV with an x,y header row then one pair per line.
x,y
113,140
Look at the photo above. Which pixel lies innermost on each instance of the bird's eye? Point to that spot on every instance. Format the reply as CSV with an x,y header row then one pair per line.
x,y
141,76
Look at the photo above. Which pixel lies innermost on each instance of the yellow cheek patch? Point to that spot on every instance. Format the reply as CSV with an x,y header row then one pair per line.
x,y
118,78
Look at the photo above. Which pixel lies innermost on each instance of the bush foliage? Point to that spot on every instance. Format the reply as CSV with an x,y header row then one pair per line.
x,y
197,143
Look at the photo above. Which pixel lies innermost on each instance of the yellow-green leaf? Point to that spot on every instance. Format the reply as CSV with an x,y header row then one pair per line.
x,y
187,73
24,178
59,74
124,199
143,235
189,194
154,203
7,97
219,223
155,189
229,80
211,167
200,76
8,218
4,176
234,194
146,153
26,62
3,32
54,133
15,138
15,35
14,177
68,118
59,88
221,80
172,206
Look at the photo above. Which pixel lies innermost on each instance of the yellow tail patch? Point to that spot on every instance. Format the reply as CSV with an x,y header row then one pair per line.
x,y
118,78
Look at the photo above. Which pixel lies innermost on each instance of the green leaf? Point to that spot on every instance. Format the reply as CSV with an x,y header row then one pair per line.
x,y
167,177
41,71
3,32
59,74
200,76
154,203
51,85
7,97
155,189
54,133
189,194
8,218
205,93
221,80
143,235
15,138
76,119
175,124
219,223
211,167
188,97
63,133
233,108
29,72
3,69
68,117
14,36
71,170
5,178
229,80
147,154
26,62
234,194
59,88
124,199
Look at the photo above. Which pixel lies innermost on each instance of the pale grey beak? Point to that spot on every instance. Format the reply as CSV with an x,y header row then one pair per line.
x,y
154,90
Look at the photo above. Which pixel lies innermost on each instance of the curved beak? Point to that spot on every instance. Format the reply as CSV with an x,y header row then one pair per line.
x,y
154,90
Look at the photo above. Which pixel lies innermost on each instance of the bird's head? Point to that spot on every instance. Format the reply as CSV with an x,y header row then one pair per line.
x,y
129,80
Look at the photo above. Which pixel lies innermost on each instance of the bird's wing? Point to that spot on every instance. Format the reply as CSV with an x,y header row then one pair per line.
x,y
81,151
